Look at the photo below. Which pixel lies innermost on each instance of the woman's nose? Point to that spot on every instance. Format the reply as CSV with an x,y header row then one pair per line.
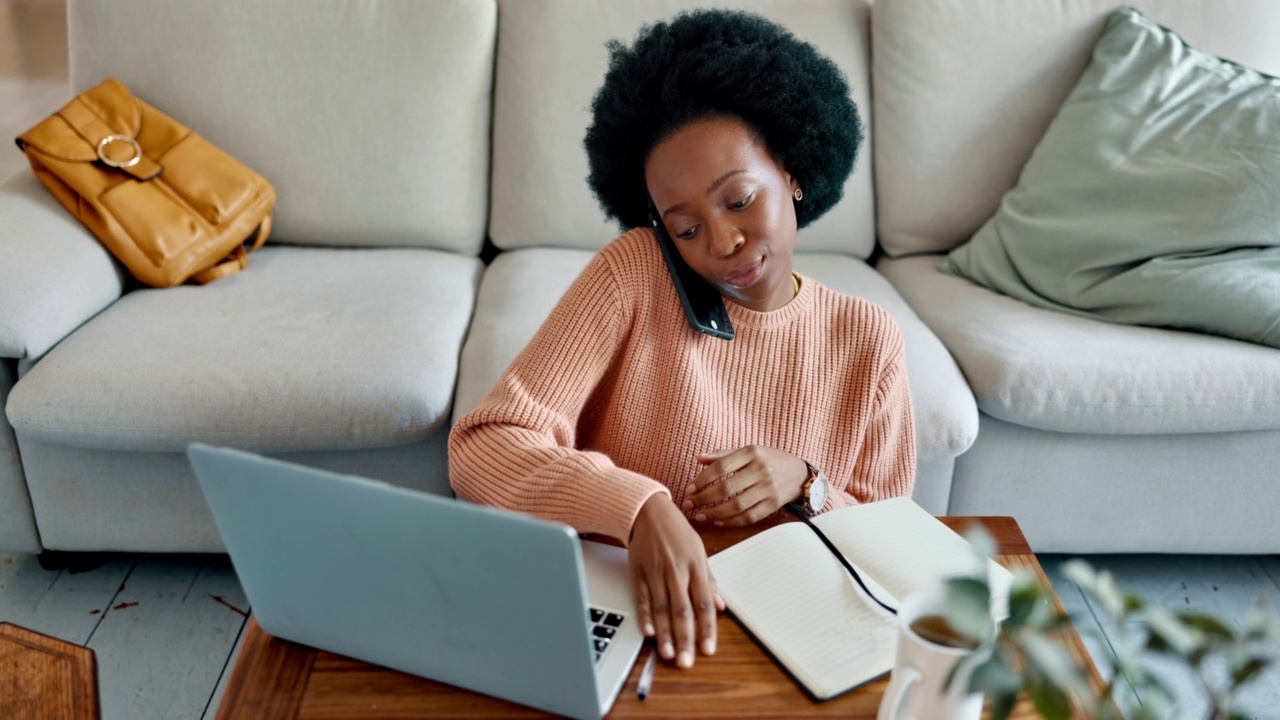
x,y
724,240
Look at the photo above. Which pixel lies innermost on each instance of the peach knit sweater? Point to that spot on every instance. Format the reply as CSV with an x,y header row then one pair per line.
x,y
616,394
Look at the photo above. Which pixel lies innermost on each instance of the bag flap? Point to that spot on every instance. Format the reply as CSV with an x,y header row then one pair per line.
x,y
74,131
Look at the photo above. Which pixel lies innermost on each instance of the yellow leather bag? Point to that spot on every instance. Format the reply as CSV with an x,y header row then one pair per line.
x,y
166,202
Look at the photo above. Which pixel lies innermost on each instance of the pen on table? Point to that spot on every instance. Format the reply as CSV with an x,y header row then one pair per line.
x,y
646,675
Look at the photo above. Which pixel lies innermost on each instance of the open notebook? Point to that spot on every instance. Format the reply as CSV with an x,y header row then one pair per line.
x,y
796,599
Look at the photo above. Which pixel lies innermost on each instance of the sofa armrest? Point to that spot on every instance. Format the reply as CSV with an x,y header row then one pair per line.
x,y
54,274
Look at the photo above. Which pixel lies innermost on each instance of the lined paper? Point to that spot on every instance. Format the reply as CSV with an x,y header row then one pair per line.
x,y
906,549
796,598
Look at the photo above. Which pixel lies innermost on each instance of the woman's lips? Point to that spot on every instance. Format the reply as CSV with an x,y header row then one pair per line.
x,y
745,276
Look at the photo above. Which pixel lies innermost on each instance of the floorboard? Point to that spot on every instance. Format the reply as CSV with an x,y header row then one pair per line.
x,y
1086,623
164,643
1223,586
65,604
215,701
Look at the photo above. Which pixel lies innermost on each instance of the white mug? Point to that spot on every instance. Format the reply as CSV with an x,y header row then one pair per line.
x,y
920,669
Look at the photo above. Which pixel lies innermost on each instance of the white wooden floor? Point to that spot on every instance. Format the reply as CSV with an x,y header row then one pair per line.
x,y
165,630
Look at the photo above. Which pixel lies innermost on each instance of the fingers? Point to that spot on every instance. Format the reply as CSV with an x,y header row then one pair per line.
x,y
678,609
682,618
706,601
743,510
676,598
717,481
661,619
644,608
743,486
744,498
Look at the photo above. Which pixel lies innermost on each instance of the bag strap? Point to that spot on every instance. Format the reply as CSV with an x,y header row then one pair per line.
x,y
239,259
97,133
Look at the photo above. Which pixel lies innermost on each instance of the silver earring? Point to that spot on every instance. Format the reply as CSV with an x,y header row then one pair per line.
x,y
798,194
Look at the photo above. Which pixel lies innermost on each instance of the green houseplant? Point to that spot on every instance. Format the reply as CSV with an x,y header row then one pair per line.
x,y
1028,656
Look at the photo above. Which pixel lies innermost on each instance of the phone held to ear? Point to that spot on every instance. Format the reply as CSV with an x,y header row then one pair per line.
x,y
703,305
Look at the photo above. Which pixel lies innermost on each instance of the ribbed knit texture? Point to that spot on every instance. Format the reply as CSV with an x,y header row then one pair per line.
x,y
615,396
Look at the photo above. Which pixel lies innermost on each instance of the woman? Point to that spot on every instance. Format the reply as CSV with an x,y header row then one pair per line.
x,y
619,418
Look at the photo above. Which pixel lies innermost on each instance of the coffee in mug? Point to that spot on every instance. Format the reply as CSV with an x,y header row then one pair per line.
x,y
927,651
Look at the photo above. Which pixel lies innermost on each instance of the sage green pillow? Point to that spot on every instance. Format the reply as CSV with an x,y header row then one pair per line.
x,y
1153,198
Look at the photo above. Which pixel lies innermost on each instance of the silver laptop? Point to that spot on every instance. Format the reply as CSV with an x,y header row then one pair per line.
x,y
492,601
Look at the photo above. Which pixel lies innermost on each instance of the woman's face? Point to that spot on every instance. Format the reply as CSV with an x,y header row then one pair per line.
x,y
727,205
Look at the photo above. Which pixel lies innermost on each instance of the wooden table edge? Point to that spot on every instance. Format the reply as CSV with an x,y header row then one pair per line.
x,y
84,680
273,663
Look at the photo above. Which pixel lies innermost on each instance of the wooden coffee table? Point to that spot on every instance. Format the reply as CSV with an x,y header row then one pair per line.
x,y
45,678
276,678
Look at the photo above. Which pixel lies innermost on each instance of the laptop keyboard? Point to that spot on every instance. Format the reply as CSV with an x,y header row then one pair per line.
x,y
604,626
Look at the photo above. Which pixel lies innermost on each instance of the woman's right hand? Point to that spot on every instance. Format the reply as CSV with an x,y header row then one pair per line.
x,y
675,594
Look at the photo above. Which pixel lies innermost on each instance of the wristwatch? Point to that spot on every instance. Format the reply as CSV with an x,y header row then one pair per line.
x,y
814,490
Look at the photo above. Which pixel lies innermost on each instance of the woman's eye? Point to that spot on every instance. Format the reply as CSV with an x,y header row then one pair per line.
x,y
739,204
686,234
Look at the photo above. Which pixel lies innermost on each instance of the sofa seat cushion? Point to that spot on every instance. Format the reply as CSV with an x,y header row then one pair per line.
x,y
1053,371
521,287
308,349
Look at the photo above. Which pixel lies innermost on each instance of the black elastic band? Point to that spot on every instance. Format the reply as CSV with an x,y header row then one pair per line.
x,y
839,556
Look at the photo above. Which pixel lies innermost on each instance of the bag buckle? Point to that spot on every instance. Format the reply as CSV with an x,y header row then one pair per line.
x,y
104,142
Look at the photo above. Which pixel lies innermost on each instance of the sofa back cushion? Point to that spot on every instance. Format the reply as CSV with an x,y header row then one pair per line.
x,y
965,89
370,119
552,59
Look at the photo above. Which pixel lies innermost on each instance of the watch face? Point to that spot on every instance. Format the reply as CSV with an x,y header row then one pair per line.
x,y
818,492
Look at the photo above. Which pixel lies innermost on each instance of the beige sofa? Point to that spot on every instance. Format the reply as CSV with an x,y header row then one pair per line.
x,y
401,134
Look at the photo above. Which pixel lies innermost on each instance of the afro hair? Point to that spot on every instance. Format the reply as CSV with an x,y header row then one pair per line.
x,y
719,62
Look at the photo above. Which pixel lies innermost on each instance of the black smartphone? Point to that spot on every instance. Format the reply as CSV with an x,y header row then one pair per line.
x,y
703,304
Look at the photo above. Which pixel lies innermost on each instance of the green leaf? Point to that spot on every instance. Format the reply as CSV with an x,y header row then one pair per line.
x,y
1002,705
961,669
1127,660
1132,604
1101,586
994,677
1153,692
1181,639
1079,572
1053,661
1023,598
1108,593
1050,701
1207,624
969,608
1261,622
982,542
1242,673
1197,656
1109,711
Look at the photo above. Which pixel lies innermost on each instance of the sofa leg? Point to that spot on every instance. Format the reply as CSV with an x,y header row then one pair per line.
x,y
55,560
75,562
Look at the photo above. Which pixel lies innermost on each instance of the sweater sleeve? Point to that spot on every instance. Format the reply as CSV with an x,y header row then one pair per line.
x,y
517,450
886,465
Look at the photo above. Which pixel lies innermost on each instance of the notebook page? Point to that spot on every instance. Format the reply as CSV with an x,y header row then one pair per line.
x,y
905,548
799,601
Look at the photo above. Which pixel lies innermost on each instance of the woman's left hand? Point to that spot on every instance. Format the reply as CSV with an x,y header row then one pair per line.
x,y
743,486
